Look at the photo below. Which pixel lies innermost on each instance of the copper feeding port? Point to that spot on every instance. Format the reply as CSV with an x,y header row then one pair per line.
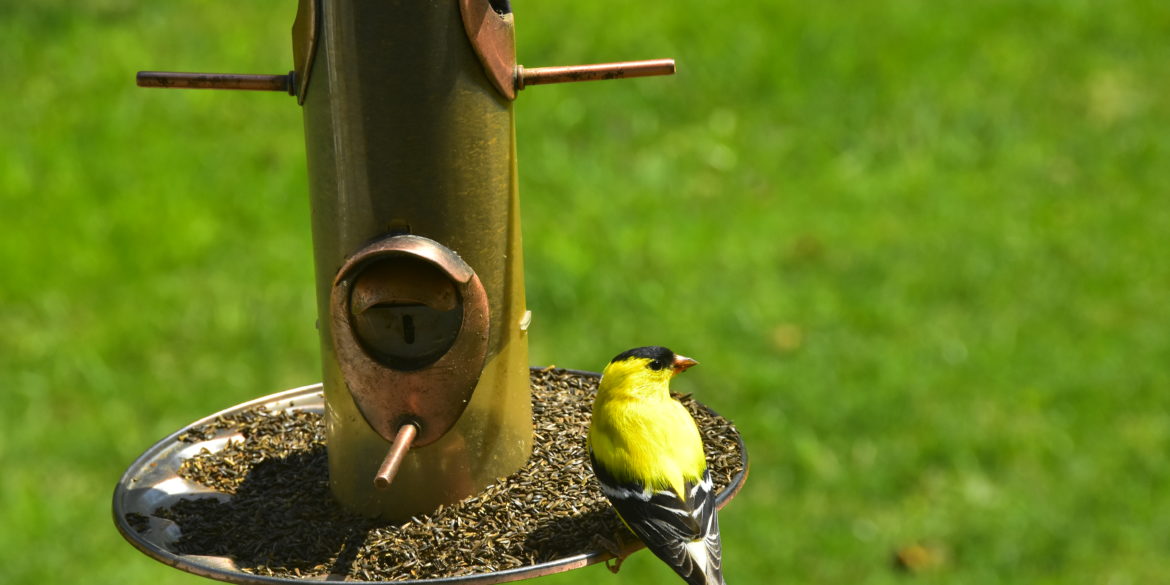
x,y
409,324
393,460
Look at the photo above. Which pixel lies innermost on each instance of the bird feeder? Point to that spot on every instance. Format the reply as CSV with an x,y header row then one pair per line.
x,y
410,139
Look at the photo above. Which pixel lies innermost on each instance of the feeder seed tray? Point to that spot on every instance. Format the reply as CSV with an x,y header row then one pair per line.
x,y
243,496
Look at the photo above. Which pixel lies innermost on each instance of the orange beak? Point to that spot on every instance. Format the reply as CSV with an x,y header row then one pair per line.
x,y
681,363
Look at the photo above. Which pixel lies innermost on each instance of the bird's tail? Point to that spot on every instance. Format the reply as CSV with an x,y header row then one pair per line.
x,y
705,563
716,578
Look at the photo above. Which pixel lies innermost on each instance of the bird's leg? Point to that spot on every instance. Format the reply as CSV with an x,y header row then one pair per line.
x,y
616,547
614,565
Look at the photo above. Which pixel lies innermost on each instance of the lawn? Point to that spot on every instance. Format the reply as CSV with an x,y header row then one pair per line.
x,y
919,248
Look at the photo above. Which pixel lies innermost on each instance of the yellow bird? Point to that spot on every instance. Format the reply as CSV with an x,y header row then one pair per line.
x,y
648,457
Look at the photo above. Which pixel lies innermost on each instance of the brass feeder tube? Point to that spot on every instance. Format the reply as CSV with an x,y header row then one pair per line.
x,y
406,134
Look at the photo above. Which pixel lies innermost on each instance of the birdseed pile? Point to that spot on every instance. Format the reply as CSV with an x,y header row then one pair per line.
x,y
281,519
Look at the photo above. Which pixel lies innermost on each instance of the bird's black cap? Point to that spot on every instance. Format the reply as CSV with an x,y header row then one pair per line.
x,y
660,357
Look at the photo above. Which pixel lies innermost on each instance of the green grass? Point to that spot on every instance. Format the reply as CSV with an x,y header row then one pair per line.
x,y
920,249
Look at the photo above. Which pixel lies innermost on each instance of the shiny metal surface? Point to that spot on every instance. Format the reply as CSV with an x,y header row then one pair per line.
x,y
493,39
406,134
152,481
306,30
402,443
597,72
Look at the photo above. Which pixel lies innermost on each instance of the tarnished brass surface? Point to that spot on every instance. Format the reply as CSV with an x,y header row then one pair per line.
x,y
246,81
493,38
405,133
305,32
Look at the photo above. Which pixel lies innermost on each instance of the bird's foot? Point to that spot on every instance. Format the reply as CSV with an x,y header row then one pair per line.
x,y
615,547
614,565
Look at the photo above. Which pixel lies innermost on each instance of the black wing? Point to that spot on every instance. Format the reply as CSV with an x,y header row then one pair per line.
x,y
683,532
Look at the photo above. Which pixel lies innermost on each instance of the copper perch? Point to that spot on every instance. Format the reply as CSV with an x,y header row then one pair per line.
x,y
389,468
600,71
168,79
524,77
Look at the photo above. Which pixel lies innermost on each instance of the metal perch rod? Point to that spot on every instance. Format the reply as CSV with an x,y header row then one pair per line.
x,y
524,77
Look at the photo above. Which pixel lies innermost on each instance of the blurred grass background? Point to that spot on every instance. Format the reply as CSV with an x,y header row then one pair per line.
x,y
919,247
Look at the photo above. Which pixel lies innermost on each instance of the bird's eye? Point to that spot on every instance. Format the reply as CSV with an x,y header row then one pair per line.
x,y
657,365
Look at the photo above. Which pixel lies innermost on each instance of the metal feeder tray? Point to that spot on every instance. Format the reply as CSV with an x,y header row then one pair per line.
x,y
152,481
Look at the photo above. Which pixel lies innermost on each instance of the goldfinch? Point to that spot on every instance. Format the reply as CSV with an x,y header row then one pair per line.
x,y
648,457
